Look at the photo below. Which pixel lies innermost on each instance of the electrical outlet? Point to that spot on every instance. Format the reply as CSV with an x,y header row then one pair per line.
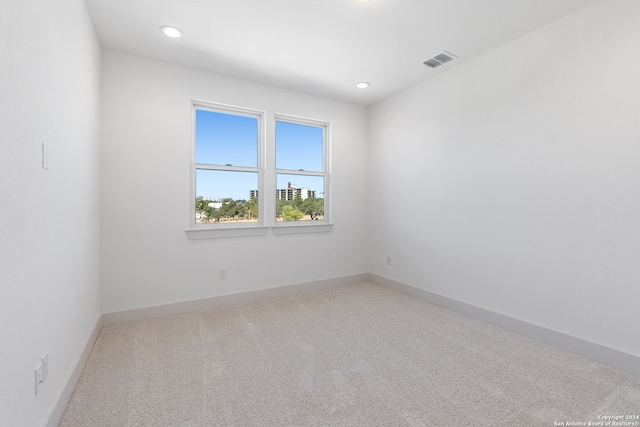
x,y
388,260
223,273
38,377
45,367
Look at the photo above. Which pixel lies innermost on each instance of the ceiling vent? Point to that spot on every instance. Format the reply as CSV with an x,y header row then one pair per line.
x,y
438,60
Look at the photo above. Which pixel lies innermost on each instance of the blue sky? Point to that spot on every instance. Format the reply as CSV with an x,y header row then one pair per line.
x,y
298,147
227,139
223,139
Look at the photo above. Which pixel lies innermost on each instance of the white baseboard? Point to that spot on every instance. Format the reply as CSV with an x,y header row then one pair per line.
x,y
146,313
618,359
56,413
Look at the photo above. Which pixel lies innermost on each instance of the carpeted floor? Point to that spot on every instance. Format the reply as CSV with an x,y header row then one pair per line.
x,y
356,355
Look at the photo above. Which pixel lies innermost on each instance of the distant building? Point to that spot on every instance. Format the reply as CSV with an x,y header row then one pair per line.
x,y
290,193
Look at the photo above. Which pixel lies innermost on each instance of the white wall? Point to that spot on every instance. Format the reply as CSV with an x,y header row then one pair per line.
x,y
49,219
147,258
512,181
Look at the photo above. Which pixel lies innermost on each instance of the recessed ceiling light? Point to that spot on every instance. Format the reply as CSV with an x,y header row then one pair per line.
x,y
363,85
170,31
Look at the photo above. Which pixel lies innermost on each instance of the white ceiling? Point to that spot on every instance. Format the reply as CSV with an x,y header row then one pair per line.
x,y
321,46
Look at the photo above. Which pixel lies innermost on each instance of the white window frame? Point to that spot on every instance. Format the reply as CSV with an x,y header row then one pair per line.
x,y
294,227
214,230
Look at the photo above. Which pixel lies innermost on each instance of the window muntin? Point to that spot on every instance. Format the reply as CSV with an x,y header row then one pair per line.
x,y
227,168
301,170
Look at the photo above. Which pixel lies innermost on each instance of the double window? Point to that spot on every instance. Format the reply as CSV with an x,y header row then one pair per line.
x,y
231,185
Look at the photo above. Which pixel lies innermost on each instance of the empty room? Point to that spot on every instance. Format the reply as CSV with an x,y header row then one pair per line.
x,y
319,213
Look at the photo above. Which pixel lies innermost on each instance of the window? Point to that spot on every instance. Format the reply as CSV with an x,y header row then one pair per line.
x,y
227,167
229,193
302,178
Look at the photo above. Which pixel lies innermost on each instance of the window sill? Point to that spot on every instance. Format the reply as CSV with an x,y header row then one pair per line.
x,y
281,229
218,233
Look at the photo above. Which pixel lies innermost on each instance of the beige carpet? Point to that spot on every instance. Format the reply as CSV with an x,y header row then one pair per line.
x,y
356,355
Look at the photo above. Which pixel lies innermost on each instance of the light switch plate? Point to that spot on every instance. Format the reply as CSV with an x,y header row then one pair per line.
x,y
45,156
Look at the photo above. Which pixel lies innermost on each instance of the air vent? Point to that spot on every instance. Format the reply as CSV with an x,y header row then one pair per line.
x,y
440,59
443,58
432,63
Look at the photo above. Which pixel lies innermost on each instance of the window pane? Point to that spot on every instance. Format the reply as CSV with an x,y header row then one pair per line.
x,y
299,198
298,147
226,139
223,196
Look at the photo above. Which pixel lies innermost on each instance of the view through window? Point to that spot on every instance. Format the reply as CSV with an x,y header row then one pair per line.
x,y
300,171
227,169
227,173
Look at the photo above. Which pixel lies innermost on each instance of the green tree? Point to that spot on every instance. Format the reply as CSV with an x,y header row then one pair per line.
x,y
312,207
242,208
228,209
253,209
280,204
211,213
289,213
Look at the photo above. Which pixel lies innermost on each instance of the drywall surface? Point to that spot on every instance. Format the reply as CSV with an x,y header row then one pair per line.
x,y
147,257
511,182
49,219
